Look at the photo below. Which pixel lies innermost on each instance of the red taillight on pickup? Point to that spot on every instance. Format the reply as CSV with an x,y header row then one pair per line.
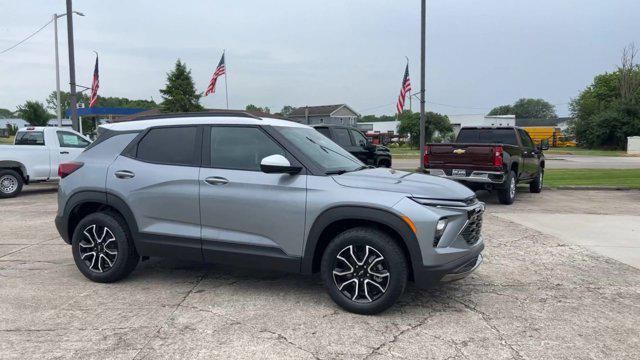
x,y
67,169
427,153
497,156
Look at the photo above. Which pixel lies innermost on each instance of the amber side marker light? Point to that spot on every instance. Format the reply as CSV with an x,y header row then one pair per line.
x,y
410,223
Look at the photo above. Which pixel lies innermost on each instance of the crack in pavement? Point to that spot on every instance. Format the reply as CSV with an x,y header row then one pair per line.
x,y
396,336
28,246
164,323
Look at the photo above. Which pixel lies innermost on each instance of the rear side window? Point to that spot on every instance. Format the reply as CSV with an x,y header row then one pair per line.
x,y
488,136
359,138
67,139
324,131
241,148
526,140
342,137
172,146
30,138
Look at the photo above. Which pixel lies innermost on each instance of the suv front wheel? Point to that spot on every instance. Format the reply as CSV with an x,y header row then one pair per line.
x,y
364,270
102,249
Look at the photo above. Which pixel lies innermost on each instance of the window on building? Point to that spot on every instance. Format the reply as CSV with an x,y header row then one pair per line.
x,y
241,148
172,146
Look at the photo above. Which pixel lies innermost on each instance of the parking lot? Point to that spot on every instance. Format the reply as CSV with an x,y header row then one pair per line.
x,y
541,294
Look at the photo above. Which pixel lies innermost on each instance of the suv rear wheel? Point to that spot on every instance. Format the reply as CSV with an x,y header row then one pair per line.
x,y
10,183
364,270
102,249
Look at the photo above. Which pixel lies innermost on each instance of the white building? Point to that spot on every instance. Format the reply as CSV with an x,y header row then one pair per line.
x,y
379,127
458,121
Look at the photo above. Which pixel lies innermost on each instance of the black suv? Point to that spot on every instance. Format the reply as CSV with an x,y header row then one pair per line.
x,y
355,142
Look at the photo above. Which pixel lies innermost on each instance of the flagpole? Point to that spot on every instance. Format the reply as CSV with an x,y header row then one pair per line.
x,y
226,73
410,110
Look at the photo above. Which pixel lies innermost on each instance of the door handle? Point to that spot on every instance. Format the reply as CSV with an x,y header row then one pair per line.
x,y
216,180
64,152
124,174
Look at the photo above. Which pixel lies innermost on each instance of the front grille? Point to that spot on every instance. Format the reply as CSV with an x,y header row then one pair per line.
x,y
471,231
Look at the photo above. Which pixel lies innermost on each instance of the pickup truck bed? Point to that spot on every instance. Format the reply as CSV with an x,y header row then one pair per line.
x,y
500,159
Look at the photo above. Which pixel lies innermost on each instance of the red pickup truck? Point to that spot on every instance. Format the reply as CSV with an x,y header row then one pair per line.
x,y
490,158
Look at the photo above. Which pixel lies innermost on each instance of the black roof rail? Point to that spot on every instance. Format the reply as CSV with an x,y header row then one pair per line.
x,y
236,113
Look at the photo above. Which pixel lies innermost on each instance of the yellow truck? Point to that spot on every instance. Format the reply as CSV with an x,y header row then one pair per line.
x,y
553,136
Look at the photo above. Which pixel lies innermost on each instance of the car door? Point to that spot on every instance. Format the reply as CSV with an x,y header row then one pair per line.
x,y
245,212
158,181
361,146
529,155
69,146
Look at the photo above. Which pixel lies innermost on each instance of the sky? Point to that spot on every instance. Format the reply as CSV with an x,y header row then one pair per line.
x,y
480,54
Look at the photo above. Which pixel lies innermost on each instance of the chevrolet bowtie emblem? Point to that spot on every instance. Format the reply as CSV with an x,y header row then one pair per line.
x,y
459,151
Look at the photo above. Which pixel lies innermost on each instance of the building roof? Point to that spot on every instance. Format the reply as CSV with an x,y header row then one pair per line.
x,y
530,122
198,119
321,110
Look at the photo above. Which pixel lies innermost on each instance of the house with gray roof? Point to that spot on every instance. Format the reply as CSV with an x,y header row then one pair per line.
x,y
339,114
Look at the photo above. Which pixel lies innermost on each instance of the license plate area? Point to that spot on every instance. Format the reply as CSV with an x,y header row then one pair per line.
x,y
459,172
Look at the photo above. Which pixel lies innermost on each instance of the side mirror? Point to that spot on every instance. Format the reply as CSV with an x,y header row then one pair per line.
x,y
278,164
544,145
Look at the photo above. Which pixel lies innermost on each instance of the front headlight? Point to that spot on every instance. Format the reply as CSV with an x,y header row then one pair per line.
x,y
440,228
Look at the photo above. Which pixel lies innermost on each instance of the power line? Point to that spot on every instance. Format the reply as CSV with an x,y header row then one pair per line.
x,y
25,39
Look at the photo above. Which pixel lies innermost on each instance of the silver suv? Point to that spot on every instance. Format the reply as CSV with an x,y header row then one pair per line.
x,y
237,189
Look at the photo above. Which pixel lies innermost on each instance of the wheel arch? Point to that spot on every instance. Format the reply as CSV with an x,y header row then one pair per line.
x,y
17,166
335,220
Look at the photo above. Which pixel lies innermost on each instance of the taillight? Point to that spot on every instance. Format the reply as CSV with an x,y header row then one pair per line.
x,y
427,152
497,156
67,169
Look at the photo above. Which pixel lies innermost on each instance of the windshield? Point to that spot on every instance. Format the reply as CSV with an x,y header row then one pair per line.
x,y
332,157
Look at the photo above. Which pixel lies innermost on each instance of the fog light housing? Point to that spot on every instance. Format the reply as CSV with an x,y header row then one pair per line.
x,y
440,228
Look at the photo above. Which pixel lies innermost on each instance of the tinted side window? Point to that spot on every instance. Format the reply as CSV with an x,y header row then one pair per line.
x,y
526,140
359,138
67,139
174,146
342,137
241,148
30,138
324,131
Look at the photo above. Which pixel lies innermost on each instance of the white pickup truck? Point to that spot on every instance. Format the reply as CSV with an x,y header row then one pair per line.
x,y
35,156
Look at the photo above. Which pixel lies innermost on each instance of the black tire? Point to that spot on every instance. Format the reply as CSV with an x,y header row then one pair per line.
x,y
536,185
10,183
122,264
384,163
393,264
508,195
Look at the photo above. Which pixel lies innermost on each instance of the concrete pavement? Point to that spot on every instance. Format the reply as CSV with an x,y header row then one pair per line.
x,y
536,296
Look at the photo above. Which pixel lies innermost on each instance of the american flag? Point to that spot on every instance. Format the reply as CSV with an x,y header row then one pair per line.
x,y
95,85
406,88
220,70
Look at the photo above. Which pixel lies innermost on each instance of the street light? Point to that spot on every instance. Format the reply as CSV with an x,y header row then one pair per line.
x,y
55,27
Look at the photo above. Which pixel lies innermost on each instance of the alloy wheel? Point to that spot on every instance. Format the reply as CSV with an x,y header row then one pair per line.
x,y
8,184
361,273
98,248
512,188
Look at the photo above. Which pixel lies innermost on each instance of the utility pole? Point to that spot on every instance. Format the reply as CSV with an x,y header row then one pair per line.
x,y
423,30
72,69
58,107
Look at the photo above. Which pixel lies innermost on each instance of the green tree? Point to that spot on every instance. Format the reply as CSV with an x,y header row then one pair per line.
x,y
179,95
374,118
434,122
107,101
287,110
254,108
502,110
34,113
527,108
608,110
65,100
6,114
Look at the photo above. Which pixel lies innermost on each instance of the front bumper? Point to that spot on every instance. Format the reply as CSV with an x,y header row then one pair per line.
x,y
428,276
477,176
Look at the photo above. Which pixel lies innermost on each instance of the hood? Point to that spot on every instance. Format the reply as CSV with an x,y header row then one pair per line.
x,y
419,185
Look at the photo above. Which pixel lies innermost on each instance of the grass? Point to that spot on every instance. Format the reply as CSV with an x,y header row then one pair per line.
x,y
586,152
6,141
405,152
623,178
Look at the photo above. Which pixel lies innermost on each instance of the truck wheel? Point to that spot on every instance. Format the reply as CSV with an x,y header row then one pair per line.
x,y
10,183
536,185
102,248
508,195
364,270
